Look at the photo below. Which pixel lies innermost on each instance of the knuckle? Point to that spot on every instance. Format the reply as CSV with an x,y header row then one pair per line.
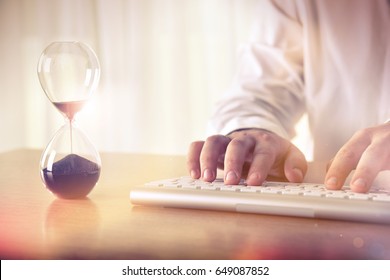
x,y
265,137
233,161
195,145
347,154
271,142
207,160
215,139
363,133
363,136
192,161
373,149
265,155
383,139
378,152
237,143
365,171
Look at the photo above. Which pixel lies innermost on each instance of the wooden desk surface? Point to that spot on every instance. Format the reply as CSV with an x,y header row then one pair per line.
x,y
36,225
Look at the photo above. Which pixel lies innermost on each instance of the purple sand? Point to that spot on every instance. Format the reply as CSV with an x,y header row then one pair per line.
x,y
72,177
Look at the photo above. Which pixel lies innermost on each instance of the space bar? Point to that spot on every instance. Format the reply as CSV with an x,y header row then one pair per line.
x,y
275,210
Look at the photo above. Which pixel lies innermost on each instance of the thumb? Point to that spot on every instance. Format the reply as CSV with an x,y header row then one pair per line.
x,y
295,165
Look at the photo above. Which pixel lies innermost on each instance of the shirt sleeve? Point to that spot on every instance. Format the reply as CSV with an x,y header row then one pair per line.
x,y
268,88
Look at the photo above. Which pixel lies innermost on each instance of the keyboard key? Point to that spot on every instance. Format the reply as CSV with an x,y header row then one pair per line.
x,y
336,194
231,188
359,196
272,190
209,187
251,189
293,191
314,193
385,198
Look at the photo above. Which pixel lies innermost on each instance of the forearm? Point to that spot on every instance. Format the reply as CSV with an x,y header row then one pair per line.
x,y
268,88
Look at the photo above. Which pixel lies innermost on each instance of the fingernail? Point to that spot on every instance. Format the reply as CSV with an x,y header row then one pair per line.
x,y
254,179
231,176
194,174
208,175
299,173
331,182
359,185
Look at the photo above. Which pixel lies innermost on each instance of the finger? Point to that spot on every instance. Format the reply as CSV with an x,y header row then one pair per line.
x,y
264,156
295,165
328,164
260,167
344,162
370,164
235,156
212,149
193,159
221,160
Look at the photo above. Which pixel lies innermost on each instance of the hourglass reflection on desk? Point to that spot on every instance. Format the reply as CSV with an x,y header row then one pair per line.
x,y
70,165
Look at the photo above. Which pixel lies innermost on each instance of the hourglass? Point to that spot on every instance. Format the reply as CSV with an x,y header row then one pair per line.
x,y
69,73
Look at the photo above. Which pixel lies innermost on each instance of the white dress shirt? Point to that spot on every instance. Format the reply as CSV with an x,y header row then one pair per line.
x,y
328,58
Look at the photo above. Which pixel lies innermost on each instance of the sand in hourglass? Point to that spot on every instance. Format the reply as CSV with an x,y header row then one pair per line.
x,y
73,176
70,108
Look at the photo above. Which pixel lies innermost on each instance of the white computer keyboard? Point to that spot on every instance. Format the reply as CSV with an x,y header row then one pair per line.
x,y
282,188
277,198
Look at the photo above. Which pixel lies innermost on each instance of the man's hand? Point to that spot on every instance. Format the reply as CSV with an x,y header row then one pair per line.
x,y
253,154
368,151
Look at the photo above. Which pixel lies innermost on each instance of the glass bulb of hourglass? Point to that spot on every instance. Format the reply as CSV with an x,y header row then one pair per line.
x,y
74,174
69,73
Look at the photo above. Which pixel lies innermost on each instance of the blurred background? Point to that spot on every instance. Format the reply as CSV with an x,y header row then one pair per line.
x,y
164,64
